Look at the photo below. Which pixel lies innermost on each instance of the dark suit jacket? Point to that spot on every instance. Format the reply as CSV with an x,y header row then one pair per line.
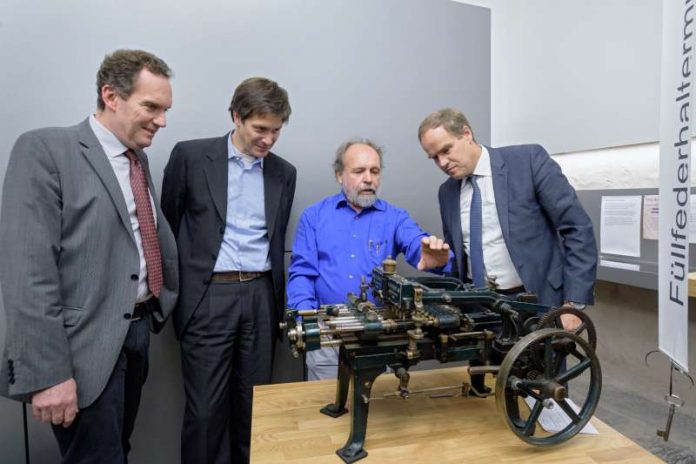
x,y
194,200
69,264
546,230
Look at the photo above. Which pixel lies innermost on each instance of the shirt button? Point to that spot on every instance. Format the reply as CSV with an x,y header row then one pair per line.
x,y
127,316
350,276
134,276
352,256
354,236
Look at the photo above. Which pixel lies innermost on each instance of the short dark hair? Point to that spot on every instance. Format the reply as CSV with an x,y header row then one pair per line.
x,y
343,148
258,96
451,120
121,69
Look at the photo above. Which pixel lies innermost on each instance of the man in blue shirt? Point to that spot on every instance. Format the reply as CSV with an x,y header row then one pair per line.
x,y
343,237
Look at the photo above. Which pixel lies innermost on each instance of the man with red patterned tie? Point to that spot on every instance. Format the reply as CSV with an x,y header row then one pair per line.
x,y
88,264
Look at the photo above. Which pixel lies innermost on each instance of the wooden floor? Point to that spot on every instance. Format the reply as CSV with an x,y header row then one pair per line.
x,y
288,428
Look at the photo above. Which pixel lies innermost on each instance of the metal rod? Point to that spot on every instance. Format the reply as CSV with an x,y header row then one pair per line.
x,y
424,390
342,329
330,343
343,321
465,335
478,370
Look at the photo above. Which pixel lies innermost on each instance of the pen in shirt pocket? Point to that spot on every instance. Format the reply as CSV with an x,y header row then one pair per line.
x,y
376,246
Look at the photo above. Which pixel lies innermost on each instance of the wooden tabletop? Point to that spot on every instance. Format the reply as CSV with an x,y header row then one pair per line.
x,y
287,427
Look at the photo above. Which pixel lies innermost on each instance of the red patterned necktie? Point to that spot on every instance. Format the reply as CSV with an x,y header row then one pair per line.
x,y
148,232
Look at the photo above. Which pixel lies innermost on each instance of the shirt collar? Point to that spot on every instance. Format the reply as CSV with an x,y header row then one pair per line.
x,y
110,144
340,200
233,153
483,167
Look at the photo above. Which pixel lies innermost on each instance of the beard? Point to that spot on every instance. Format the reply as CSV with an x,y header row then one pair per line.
x,y
362,197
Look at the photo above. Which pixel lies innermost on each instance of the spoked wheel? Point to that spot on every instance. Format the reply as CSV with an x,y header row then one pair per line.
x,y
586,329
544,370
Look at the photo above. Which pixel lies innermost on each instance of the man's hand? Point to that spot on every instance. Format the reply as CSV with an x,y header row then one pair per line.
x,y
570,322
434,253
57,404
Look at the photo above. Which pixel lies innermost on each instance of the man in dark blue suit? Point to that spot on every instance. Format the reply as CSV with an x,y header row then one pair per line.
x,y
525,217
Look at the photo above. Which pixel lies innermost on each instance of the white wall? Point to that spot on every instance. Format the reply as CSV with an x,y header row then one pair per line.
x,y
582,79
574,75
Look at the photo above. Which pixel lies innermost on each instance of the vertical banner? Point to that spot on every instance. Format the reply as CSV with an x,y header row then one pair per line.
x,y
675,135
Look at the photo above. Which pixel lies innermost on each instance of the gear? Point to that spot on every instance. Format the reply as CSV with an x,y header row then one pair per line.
x,y
586,330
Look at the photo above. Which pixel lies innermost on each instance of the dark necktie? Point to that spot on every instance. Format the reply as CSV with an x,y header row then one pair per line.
x,y
478,271
148,232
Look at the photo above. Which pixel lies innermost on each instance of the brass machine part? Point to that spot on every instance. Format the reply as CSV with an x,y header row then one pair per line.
x,y
389,325
296,338
418,299
389,266
307,312
342,329
479,370
444,339
414,335
363,289
551,389
486,334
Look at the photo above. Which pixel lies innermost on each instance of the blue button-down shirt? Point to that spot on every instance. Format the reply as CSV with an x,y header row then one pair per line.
x,y
335,246
245,242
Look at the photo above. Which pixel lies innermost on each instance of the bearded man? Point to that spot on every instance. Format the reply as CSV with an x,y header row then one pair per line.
x,y
343,237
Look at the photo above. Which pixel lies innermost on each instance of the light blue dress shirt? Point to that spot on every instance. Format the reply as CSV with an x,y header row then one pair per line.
x,y
245,242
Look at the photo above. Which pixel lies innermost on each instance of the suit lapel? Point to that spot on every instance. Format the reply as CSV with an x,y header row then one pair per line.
x,y
455,222
216,174
272,190
500,190
92,151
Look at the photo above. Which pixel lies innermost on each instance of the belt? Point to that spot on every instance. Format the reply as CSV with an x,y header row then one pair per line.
x,y
140,310
510,291
236,276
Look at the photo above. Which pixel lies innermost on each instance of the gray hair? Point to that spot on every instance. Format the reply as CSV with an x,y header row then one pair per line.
x,y
343,148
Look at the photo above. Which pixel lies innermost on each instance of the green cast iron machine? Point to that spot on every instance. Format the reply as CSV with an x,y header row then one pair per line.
x,y
537,364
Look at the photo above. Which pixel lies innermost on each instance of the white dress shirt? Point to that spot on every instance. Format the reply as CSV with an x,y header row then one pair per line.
x,y
496,257
115,153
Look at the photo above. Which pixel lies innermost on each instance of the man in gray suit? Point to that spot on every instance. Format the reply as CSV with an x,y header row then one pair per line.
x,y
88,264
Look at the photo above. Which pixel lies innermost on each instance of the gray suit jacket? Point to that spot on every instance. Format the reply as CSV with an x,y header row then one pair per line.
x,y
69,264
